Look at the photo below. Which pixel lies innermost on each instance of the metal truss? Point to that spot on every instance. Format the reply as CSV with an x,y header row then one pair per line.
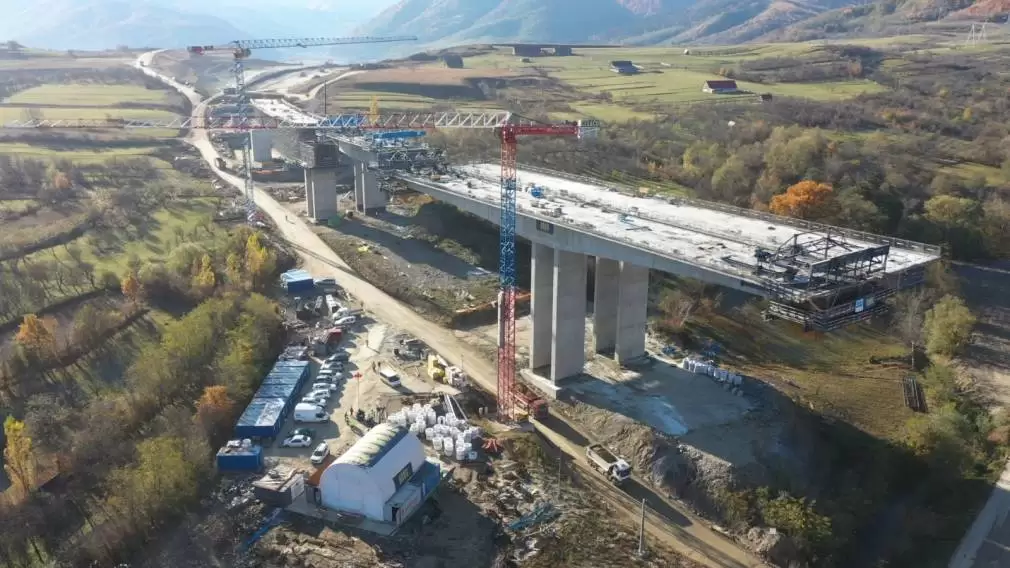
x,y
334,122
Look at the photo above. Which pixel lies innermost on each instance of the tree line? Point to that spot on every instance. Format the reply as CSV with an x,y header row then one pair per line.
x,y
134,457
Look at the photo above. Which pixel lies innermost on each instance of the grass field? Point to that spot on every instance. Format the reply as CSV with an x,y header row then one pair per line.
x,y
15,205
13,113
584,82
89,94
78,156
829,372
109,249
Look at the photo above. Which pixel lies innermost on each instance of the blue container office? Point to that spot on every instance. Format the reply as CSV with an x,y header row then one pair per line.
x,y
263,418
239,459
272,403
295,281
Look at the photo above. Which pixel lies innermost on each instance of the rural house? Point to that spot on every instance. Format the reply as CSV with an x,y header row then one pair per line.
x,y
720,87
623,67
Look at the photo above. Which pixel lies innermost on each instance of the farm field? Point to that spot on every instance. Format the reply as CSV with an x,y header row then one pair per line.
x,y
583,84
85,94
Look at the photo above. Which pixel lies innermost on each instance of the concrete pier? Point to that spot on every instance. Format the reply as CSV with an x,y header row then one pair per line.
x,y
569,315
321,193
632,311
367,195
605,291
359,167
542,307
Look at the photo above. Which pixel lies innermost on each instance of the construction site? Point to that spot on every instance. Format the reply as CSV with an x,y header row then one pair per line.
x,y
516,409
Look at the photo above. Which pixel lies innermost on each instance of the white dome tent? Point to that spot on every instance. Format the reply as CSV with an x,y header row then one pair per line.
x,y
366,477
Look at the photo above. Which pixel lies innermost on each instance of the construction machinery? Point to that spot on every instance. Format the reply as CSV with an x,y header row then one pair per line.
x,y
527,404
509,135
242,50
617,470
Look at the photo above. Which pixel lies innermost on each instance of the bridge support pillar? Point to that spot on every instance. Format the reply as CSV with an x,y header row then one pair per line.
x,y
541,306
568,355
605,291
372,197
367,195
359,167
632,306
321,193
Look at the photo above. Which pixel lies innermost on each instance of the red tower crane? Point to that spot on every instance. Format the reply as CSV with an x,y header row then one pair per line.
x,y
509,135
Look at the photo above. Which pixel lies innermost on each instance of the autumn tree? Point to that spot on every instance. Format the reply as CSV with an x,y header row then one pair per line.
x,y
214,411
233,269
36,335
949,324
259,261
807,199
131,287
19,461
204,280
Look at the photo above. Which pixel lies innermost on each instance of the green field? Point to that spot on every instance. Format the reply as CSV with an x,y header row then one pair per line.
x,y
109,249
78,156
13,113
89,94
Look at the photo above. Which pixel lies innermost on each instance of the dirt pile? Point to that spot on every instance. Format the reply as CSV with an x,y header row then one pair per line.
x,y
678,469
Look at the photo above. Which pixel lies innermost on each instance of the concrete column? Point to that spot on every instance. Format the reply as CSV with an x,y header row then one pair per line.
x,y
358,185
310,204
605,290
541,306
323,191
569,354
632,306
372,197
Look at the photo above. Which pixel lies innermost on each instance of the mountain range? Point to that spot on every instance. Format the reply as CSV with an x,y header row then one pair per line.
x,y
442,23
105,24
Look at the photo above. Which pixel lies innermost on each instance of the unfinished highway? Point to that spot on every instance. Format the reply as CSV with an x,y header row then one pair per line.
x,y
819,276
685,533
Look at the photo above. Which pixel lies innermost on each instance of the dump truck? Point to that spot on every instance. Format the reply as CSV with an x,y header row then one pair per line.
x,y
529,404
616,469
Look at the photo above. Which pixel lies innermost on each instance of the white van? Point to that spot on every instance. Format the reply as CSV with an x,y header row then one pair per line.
x,y
390,377
308,412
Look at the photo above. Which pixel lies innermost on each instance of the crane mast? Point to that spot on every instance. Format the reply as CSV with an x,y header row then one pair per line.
x,y
509,135
242,50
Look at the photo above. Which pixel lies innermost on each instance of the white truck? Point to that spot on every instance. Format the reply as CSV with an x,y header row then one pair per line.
x,y
603,460
310,412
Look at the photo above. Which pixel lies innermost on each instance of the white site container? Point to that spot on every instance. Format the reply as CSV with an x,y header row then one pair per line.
x,y
437,444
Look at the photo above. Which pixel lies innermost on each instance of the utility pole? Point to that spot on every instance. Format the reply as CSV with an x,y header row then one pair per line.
x,y
641,533
325,82
558,497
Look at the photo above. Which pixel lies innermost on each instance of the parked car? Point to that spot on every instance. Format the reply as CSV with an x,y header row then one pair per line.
x,y
320,386
338,357
345,321
317,398
320,453
297,441
303,432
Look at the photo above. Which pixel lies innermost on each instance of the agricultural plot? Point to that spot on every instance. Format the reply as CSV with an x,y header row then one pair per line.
x,y
83,94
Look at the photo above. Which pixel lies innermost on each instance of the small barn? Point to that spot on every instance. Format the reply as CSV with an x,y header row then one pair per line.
x,y
453,61
720,87
624,67
527,50
384,476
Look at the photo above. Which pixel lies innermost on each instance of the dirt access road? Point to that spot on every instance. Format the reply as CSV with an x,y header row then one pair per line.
x,y
691,537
